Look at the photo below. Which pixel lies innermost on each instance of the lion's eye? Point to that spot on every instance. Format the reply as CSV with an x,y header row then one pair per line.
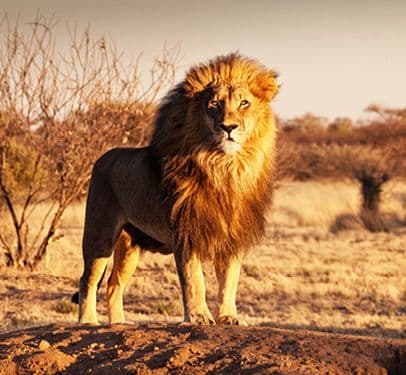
x,y
244,103
214,103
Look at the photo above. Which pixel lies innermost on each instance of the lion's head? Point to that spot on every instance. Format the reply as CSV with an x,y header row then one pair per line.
x,y
220,106
215,139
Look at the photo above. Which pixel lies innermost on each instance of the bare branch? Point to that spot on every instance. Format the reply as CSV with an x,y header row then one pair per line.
x,y
59,110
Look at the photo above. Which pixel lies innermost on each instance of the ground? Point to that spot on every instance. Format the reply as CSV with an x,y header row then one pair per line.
x,y
153,348
317,298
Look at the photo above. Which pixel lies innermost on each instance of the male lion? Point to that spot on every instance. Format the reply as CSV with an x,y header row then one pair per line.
x,y
198,191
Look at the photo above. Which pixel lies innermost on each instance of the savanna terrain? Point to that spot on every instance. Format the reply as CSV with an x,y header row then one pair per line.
x,y
325,292
318,270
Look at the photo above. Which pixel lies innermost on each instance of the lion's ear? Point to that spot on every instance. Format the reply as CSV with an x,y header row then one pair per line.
x,y
265,85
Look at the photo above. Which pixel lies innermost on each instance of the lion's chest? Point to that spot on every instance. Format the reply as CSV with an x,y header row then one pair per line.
x,y
216,218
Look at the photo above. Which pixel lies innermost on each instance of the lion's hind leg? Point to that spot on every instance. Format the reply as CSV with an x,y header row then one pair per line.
x,y
94,270
102,228
126,255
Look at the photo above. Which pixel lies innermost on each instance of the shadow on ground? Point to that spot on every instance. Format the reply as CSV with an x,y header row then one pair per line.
x,y
184,349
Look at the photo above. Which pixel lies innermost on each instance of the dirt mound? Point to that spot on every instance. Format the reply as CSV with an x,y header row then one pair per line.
x,y
186,349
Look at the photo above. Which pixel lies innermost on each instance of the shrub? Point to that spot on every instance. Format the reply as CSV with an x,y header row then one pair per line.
x,y
59,111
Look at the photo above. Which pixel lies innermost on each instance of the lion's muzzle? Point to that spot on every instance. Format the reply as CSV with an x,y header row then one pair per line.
x,y
228,128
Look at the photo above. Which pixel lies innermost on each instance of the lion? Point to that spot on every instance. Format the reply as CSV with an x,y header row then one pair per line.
x,y
200,190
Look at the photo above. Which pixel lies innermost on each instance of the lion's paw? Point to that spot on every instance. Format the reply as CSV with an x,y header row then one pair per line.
x,y
201,319
229,320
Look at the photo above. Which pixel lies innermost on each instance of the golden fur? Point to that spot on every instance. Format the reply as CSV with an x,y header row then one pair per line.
x,y
200,190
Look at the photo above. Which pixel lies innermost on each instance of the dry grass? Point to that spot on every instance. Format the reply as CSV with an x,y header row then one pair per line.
x,y
301,276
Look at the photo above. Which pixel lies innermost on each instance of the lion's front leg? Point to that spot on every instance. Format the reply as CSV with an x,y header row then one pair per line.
x,y
193,289
228,275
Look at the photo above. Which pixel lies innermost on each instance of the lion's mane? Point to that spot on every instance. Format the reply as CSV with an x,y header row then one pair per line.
x,y
216,202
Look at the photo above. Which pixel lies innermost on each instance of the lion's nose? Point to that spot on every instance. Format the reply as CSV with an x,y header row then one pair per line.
x,y
228,128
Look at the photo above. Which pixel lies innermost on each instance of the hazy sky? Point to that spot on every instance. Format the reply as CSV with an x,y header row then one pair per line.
x,y
334,57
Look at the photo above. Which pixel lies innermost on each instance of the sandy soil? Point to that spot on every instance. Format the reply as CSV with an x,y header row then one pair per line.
x,y
185,349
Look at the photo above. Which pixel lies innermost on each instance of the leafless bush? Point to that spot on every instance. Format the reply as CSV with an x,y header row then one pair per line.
x,y
58,112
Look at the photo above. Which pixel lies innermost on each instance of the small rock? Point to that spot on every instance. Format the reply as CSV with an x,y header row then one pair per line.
x,y
44,345
93,345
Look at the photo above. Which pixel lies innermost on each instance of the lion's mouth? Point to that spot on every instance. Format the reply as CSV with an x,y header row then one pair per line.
x,y
230,145
227,138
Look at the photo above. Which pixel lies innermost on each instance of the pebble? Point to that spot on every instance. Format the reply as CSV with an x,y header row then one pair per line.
x,y
44,345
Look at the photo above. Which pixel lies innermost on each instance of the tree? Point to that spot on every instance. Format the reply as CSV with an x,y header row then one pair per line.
x,y
372,167
372,154
58,113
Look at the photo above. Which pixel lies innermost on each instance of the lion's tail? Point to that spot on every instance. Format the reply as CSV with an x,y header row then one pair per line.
x,y
75,296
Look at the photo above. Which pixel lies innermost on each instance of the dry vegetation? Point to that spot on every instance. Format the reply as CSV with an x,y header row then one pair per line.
x,y
303,275
59,110
371,153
